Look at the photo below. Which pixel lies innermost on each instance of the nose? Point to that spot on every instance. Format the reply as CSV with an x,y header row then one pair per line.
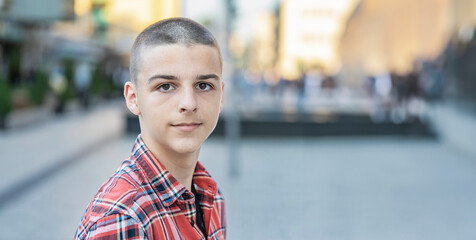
x,y
188,101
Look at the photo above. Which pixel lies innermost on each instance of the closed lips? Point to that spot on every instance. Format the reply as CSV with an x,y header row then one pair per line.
x,y
186,124
187,127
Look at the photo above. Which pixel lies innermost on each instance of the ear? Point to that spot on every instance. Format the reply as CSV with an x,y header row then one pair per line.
x,y
222,93
130,94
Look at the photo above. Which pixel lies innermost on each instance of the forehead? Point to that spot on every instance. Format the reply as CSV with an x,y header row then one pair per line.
x,y
179,59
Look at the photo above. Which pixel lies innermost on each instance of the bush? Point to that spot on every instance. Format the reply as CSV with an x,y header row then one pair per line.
x,y
5,98
39,88
101,85
69,92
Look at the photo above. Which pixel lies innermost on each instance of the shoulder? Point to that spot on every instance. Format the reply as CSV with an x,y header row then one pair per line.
x,y
113,203
121,187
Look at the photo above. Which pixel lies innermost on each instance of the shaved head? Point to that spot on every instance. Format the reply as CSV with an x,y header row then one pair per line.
x,y
169,31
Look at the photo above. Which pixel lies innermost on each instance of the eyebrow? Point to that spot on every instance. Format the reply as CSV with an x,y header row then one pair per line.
x,y
172,77
208,76
161,76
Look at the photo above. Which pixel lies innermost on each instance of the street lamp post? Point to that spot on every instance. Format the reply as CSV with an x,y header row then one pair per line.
x,y
232,116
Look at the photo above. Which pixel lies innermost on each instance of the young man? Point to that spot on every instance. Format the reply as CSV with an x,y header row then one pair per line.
x,y
162,191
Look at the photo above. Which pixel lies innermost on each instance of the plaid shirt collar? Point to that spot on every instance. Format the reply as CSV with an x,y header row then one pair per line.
x,y
168,188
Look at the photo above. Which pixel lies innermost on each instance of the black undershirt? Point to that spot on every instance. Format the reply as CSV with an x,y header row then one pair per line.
x,y
199,215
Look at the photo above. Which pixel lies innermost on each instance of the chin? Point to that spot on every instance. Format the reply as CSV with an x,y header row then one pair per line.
x,y
187,147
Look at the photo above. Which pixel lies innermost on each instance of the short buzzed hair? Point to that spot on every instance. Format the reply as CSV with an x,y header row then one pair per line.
x,y
170,31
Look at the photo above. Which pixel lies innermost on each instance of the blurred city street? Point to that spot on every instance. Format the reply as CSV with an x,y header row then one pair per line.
x,y
286,188
342,120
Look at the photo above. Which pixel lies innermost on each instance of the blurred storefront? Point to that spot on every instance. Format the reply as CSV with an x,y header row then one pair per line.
x,y
23,33
65,48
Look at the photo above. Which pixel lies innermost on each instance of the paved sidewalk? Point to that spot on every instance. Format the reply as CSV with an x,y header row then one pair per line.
x,y
290,188
346,188
32,153
52,210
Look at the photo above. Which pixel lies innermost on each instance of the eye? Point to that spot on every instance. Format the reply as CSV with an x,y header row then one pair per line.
x,y
204,86
166,87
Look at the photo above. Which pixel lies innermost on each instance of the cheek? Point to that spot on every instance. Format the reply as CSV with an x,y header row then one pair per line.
x,y
161,100
155,105
212,112
211,104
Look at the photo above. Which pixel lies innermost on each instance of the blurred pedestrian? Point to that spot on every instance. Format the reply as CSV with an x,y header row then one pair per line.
x,y
59,85
82,80
162,191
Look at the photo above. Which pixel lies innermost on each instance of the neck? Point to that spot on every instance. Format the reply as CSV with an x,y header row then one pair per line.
x,y
180,165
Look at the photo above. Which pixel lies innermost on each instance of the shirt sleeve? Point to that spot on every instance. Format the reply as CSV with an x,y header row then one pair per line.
x,y
116,226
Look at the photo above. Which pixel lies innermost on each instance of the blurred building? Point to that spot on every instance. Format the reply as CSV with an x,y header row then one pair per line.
x,y
67,38
76,29
23,33
115,24
309,34
45,11
392,36
263,47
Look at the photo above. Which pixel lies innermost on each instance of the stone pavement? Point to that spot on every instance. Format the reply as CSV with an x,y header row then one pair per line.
x,y
32,153
52,210
349,188
287,188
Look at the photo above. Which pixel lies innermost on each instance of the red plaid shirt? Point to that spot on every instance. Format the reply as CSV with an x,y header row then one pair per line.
x,y
142,200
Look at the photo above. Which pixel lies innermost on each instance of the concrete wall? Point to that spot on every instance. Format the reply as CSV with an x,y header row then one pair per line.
x,y
455,125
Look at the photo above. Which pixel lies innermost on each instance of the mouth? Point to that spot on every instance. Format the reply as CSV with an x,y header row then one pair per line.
x,y
187,127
